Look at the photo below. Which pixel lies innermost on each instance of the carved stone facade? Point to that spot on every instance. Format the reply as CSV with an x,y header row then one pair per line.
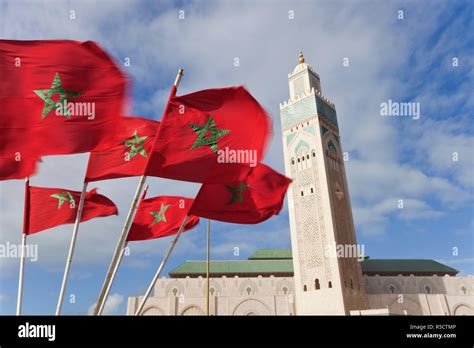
x,y
228,296
403,295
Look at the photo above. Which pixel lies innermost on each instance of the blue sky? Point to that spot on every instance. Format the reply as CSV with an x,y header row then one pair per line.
x,y
389,158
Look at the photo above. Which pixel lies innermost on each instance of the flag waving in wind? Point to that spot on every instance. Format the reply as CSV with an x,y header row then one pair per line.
x,y
51,207
253,200
57,97
160,217
128,155
210,136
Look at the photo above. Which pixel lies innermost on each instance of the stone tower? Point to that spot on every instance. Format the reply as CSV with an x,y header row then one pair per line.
x,y
319,206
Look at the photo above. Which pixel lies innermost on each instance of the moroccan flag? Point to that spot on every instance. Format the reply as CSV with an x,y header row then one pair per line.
x,y
160,217
210,136
129,153
57,97
14,166
50,207
251,201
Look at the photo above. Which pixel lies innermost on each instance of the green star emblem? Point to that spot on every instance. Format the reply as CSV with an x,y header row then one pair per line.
x,y
56,88
159,215
237,192
202,132
136,145
63,197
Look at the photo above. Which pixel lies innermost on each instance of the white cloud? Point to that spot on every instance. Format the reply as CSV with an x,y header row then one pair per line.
x,y
112,305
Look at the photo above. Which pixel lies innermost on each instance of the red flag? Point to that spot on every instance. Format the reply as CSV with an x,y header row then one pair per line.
x,y
251,201
50,207
16,167
57,97
129,153
160,217
210,136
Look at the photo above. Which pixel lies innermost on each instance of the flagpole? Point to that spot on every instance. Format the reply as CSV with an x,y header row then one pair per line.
x,y
72,246
162,265
118,249
109,286
23,246
208,264
126,227
102,307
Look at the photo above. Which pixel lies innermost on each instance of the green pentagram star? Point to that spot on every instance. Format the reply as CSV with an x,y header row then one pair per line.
x,y
237,192
159,215
136,145
63,197
201,131
56,88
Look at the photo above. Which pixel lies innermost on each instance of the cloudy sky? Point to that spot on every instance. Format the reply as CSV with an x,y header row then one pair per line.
x,y
407,59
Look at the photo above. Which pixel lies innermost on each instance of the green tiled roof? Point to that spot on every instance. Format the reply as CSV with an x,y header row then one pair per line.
x,y
279,262
271,254
230,268
402,266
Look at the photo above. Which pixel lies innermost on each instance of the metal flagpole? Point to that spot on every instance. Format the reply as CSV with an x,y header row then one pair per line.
x,y
72,245
208,264
162,265
102,306
101,309
126,227
20,279
23,246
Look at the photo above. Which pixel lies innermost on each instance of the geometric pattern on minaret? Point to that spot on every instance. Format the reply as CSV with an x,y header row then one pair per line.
x,y
318,201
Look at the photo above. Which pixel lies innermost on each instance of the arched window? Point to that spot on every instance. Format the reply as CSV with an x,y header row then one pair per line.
x,y
302,193
314,153
285,290
464,290
307,156
316,284
175,291
330,285
248,290
302,158
292,161
299,160
391,289
212,291
312,190
305,288
427,289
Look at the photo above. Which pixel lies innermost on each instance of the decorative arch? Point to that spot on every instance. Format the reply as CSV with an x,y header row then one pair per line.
x,y
174,288
463,309
390,284
152,310
410,306
246,285
425,284
192,310
251,307
212,285
300,139
282,285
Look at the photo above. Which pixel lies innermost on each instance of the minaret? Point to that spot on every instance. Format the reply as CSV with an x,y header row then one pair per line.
x,y
319,205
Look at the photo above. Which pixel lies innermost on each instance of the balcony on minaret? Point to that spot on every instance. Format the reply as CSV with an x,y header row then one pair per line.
x,y
303,79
